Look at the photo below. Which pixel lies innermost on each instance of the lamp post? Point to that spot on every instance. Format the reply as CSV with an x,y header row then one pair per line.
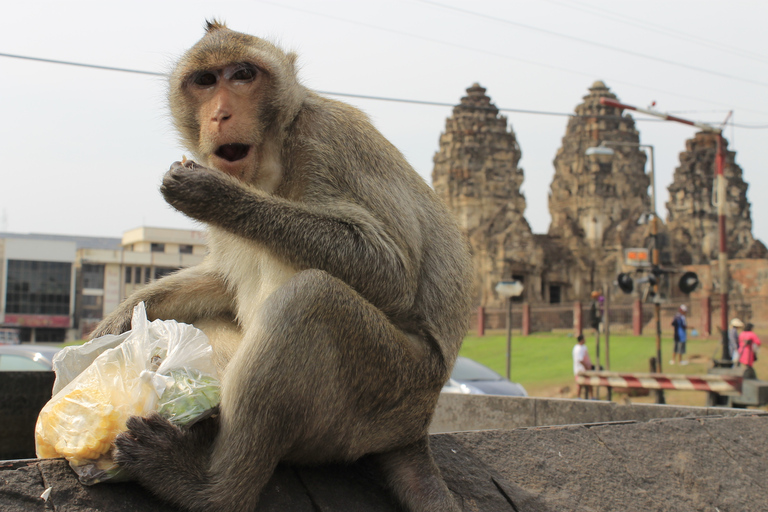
x,y
509,289
722,257
603,149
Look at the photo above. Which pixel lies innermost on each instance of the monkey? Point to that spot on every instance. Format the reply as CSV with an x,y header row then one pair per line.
x,y
335,290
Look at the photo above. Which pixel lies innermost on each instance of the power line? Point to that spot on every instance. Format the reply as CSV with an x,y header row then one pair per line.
x,y
634,22
82,65
592,43
500,55
345,94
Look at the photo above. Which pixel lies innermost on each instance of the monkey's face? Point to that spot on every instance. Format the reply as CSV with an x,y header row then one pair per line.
x,y
227,103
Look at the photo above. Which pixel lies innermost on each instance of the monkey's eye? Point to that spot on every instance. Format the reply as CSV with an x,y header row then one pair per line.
x,y
205,79
241,73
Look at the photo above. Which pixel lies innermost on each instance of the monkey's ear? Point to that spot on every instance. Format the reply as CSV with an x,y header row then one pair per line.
x,y
214,24
292,58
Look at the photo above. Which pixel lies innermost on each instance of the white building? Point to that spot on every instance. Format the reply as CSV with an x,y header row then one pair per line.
x,y
55,288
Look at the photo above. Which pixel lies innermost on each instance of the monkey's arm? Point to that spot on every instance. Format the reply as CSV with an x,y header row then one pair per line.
x,y
186,296
339,237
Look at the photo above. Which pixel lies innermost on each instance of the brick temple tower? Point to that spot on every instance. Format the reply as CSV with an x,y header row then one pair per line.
x,y
476,173
692,210
596,201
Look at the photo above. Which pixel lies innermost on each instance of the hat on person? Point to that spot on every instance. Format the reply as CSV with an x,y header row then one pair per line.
x,y
683,308
737,323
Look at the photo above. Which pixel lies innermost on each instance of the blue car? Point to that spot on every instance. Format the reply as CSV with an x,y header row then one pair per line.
x,y
27,357
480,379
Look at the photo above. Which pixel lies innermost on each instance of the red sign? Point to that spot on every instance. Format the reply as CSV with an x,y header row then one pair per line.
x,y
59,321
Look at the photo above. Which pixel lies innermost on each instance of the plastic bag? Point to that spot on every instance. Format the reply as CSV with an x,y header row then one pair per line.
x,y
162,366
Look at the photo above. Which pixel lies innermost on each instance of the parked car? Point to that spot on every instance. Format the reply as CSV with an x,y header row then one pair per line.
x,y
26,357
453,386
481,378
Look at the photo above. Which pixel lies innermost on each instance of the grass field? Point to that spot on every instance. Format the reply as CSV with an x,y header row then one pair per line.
x,y
542,362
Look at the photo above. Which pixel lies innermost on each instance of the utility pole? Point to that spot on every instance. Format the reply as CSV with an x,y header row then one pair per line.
x,y
722,258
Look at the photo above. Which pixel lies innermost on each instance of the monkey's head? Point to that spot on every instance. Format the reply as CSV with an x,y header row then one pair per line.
x,y
229,94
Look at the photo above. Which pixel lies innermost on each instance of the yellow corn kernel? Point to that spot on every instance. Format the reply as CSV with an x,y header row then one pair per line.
x,y
79,426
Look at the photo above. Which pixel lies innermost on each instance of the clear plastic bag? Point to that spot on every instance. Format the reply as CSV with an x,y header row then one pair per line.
x,y
162,366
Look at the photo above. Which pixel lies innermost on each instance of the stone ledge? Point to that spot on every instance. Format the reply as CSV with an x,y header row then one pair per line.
x,y
704,463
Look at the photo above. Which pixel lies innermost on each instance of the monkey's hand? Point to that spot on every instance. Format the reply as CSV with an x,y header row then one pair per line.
x,y
198,191
158,453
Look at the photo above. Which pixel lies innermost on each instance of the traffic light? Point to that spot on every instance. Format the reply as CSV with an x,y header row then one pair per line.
x,y
688,282
625,283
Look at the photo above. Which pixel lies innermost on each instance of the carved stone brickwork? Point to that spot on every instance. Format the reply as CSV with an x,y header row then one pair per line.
x,y
476,173
693,219
596,200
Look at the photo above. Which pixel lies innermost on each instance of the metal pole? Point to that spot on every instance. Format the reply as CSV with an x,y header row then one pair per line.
x,y
722,257
654,235
509,339
655,262
607,324
720,164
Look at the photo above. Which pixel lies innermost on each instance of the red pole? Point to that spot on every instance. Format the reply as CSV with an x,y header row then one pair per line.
x,y
720,164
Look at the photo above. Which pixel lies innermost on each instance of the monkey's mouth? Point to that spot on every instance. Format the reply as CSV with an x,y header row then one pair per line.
x,y
233,152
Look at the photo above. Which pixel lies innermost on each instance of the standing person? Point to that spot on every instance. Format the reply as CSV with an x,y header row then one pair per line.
x,y
748,345
681,335
733,338
582,362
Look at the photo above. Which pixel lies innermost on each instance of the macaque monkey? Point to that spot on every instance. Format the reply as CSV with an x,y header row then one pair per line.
x,y
335,291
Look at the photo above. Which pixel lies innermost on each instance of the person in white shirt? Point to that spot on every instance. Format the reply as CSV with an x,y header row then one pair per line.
x,y
582,362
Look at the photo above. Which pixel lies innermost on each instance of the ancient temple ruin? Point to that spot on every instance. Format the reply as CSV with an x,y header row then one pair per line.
x,y
477,175
693,219
597,200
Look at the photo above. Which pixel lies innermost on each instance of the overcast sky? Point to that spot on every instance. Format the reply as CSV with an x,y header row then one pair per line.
x,y
83,150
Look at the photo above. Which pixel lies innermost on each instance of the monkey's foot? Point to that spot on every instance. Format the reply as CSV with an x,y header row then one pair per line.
x,y
147,445
169,461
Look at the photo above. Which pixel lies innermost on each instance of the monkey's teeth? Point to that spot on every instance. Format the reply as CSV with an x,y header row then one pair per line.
x,y
233,152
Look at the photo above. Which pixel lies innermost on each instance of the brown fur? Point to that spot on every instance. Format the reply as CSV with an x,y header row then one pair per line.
x,y
335,292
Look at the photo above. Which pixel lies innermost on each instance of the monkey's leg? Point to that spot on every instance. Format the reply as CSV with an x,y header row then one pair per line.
x,y
322,376
188,295
415,478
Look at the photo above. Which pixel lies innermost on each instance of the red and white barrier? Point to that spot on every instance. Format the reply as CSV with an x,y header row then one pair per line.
x,y
717,383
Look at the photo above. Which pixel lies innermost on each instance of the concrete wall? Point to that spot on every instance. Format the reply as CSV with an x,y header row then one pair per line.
x,y
456,412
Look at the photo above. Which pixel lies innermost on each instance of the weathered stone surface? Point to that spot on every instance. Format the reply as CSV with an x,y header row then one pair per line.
x,y
692,216
596,200
476,173
704,464
669,465
457,412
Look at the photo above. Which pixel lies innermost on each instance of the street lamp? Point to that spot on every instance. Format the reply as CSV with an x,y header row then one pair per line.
x,y
509,289
722,257
603,149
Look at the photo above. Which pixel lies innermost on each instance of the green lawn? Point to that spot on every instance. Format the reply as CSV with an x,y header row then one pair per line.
x,y
542,362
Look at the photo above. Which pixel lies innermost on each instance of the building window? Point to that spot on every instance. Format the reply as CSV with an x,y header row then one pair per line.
x,y
38,287
155,247
92,306
93,276
147,274
185,249
137,275
128,274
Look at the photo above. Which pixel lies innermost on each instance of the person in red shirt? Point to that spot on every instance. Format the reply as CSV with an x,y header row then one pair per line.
x,y
748,345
